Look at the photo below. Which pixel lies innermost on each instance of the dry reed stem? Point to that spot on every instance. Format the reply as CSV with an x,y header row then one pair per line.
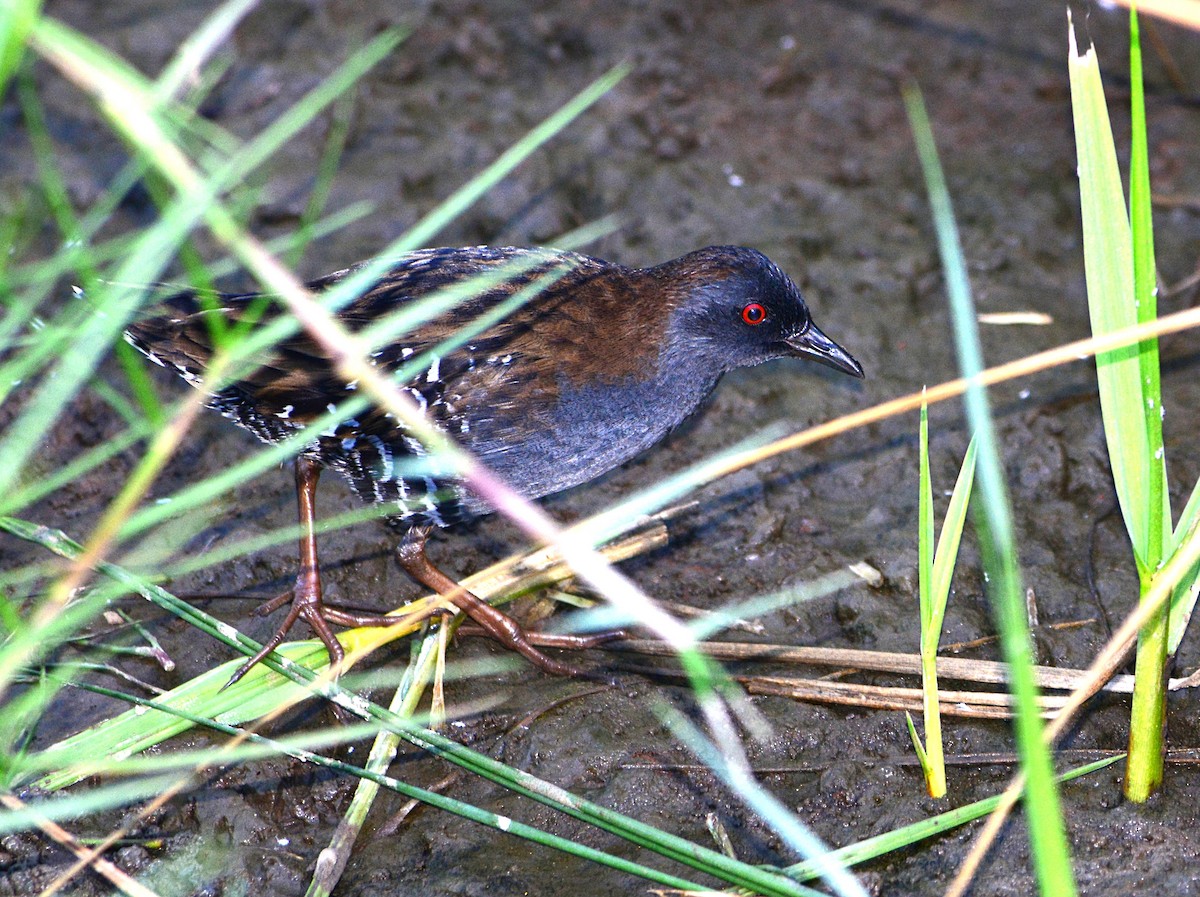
x,y
958,668
972,704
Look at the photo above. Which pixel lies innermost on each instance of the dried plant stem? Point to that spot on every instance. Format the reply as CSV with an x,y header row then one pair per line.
x,y
957,668
973,704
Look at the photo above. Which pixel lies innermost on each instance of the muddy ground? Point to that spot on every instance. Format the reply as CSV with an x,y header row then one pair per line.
x,y
770,124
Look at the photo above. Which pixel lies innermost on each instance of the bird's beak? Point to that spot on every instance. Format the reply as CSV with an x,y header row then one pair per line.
x,y
812,343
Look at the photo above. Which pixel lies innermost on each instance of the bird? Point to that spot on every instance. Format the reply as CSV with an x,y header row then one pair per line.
x,y
593,363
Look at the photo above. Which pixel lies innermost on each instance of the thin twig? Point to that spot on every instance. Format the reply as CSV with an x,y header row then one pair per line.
x,y
972,704
959,668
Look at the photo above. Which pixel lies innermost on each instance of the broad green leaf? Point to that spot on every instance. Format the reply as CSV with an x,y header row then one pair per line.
x,y
1108,267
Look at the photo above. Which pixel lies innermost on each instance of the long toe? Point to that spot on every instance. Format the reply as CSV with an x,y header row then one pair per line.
x,y
271,644
508,632
269,607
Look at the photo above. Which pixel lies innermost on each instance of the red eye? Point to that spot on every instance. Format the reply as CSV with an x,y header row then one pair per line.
x,y
754,314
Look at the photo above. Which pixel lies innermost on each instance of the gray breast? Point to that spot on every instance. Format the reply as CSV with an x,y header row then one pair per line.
x,y
590,431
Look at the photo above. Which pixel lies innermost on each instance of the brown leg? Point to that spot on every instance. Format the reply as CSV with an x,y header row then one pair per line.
x,y
500,626
305,595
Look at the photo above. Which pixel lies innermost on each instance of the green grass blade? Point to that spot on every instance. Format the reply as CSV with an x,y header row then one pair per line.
x,y
470,192
77,467
934,762
1184,600
54,187
327,169
925,529
199,46
1182,606
86,803
906,836
239,165
1109,270
1145,295
931,755
922,757
768,808
721,618
993,518
951,535
17,18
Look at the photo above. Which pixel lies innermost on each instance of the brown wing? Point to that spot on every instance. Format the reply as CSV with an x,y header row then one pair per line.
x,y
294,382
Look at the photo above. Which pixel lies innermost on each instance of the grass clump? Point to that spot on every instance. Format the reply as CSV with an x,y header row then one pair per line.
x,y
1122,292
934,571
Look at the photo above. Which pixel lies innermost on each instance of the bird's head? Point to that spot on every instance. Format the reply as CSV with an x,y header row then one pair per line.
x,y
735,308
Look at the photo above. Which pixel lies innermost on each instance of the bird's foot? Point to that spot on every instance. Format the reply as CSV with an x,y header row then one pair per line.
x,y
307,605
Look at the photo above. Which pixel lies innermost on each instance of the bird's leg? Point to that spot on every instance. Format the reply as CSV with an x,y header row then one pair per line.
x,y
503,628
305,595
